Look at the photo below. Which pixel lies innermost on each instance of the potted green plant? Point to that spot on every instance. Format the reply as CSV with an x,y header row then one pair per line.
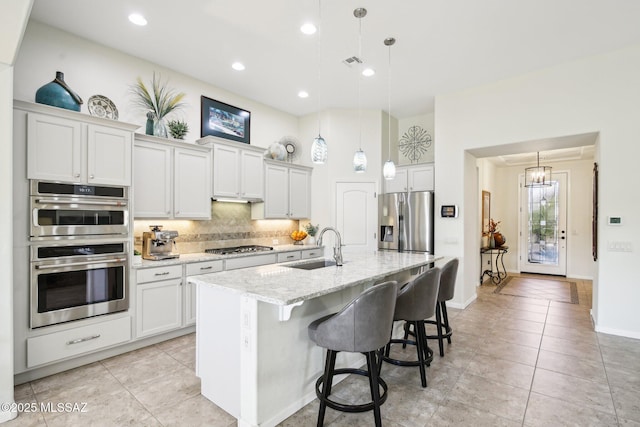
x,y
157,99
178,128
311,230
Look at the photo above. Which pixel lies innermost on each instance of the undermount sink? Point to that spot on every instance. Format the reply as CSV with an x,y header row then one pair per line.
x,y
312,265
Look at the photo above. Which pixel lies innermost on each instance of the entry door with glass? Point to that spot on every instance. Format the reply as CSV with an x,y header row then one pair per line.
x,y
543,241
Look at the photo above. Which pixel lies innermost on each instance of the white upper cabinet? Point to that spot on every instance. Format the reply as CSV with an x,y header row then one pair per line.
x,y
171,179
72,147
152,180
237,170
287,192
411,178
192,188
399,183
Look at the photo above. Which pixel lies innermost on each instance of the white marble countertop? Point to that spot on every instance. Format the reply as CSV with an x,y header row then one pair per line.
x,y
282,285
201,256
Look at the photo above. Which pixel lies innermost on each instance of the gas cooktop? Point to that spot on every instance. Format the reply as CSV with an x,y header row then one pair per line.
x,y
238,249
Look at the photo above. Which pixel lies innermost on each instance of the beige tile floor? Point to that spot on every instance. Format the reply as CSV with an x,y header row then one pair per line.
x,y
514,361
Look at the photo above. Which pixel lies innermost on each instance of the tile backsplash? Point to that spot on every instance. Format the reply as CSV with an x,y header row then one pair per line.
x,y
230,225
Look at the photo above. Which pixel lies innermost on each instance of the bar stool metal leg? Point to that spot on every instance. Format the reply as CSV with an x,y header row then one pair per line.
x,y
439,327
446,321
326,384
373,385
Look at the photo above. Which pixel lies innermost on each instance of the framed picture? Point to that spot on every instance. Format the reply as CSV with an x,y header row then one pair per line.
x,y
486,212
224,120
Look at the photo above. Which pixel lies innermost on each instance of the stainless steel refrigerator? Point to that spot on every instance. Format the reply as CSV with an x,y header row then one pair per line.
x,y
405,221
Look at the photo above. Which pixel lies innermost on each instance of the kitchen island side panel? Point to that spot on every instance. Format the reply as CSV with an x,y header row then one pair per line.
x,y
218,342
289,363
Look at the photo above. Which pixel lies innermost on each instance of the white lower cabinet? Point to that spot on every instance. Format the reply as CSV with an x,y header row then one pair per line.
x,y
158,300
196,269
312,253
74,342
250,261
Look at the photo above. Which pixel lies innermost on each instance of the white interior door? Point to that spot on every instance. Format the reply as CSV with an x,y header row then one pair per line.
x,y
543,236
357,215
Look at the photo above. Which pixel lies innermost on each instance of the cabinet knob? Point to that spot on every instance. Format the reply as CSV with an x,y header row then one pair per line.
x,y
91,176
168,212
77,175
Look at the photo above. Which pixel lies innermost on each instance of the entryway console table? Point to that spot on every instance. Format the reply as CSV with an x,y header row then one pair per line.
x,y
494,273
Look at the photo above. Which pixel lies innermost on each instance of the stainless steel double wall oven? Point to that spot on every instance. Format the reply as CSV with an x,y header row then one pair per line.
x,y
79,251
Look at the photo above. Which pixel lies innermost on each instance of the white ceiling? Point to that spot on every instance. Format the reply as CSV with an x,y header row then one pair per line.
x,y
442,46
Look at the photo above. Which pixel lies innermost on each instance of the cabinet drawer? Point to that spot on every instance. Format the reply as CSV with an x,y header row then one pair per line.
x,y
63,344
313,253
288,256
196,268
158,273
250,261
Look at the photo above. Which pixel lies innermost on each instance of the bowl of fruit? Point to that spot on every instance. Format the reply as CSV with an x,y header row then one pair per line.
x,y
298,236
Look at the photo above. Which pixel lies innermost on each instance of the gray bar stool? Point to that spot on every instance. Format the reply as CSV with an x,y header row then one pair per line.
x,y
360,327
416,301
447,287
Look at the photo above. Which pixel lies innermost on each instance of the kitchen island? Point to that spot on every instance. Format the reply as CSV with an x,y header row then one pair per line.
x,y
253,355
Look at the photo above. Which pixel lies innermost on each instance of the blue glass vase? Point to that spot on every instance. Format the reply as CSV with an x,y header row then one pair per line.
x,y
58,94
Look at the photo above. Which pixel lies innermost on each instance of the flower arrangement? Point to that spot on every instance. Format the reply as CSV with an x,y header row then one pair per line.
x,y
493,225
157,99
311,229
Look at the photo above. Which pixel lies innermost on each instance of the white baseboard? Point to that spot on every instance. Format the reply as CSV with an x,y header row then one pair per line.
x,y
618,332
463,305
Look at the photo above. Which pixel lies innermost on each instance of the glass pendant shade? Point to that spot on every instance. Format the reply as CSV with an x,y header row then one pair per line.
x,y
319,150
537,176
389,170
359,161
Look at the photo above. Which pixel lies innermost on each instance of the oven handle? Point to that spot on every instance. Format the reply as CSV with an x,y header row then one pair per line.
x,y
81,202
74,264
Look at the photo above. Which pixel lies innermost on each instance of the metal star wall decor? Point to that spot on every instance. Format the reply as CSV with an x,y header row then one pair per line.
x,y
414,143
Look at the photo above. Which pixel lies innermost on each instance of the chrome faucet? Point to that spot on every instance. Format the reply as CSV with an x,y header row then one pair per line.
x,y
337,249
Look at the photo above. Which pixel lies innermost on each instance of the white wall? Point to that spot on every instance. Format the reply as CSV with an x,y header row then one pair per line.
x,y
595,94
91,69
6,244
340,130
12,23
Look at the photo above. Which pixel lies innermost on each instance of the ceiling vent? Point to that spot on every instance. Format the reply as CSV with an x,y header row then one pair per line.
x,y
351,61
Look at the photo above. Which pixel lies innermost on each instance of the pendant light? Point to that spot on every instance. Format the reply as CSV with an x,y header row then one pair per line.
x,y
537,176
359,158
319,148
389,168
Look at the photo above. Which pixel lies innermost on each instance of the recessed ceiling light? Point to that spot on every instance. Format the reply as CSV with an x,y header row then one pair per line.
x,y
303,94
368,72
137,19
308,28
238,66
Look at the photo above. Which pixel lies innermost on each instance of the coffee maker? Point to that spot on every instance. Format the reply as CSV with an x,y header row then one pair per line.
x,y
158,244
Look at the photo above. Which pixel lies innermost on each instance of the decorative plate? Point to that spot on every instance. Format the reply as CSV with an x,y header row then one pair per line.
x,y
101,106
290,145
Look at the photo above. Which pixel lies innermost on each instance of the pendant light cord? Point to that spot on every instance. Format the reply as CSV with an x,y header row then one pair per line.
x,y
389,104
359,75
319,64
